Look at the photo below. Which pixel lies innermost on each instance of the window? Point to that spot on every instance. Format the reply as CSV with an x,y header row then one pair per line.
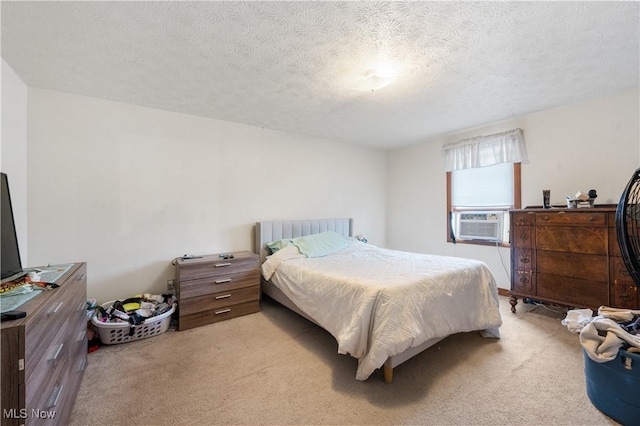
x,y
478,202
483,183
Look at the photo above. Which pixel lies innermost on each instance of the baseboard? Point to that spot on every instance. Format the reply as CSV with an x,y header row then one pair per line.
x,y
503,292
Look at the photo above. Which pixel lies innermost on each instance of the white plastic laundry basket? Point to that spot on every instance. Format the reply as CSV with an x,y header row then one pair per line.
x,y
112,333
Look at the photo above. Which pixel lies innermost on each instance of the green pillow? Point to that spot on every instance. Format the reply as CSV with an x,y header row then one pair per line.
x,y
322,244
276,245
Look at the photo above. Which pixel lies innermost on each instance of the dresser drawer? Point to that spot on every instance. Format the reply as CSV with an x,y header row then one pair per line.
x,y
219,300
522,236
214,315
58,305
572,219
218,283
574,292
619,272
213,266
624,295
575,239
573,265
523,282
524,259
523,219
614,245
47,371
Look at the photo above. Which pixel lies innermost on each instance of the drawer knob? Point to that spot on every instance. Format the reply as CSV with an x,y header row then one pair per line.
x,y
524,279
524,260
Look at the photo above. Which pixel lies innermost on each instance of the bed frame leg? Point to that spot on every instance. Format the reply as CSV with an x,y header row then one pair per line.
x,y
388,374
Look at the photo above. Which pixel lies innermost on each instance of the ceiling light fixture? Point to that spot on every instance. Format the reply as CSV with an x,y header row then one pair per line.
x,y
374,80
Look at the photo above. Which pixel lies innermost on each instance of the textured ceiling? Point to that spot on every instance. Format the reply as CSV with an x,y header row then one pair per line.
x,y
294,66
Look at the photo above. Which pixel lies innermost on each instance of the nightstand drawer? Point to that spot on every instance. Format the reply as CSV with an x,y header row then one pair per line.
x,y
215,315
219,300
210,285
212,266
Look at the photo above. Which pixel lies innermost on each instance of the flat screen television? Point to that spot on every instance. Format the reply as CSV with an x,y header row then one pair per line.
x,y
10,255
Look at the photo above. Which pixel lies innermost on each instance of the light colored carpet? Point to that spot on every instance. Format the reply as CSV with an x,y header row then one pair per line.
x,y
275,368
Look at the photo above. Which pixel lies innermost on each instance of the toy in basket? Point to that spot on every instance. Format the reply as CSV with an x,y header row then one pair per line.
x,y
135,318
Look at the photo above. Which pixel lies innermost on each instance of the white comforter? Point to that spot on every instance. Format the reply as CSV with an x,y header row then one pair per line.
x,y
377,302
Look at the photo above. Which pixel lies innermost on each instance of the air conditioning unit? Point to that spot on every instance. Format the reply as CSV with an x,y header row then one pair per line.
x,y
486,226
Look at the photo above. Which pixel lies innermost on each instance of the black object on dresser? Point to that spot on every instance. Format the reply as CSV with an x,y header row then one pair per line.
x,y
216,287
44,354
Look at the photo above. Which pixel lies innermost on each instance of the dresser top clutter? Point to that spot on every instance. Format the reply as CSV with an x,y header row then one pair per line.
x,y
569,257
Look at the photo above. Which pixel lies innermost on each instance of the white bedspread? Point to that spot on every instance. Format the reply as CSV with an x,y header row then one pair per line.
x,y
378,302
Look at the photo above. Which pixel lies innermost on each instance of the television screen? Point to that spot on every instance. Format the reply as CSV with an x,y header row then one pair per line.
x,y
10,255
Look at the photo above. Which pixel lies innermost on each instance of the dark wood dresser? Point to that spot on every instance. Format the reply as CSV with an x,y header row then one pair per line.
x,y
44,354
212,288
569,257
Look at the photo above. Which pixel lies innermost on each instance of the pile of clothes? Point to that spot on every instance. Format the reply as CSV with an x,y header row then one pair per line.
x,y
603,335
135,310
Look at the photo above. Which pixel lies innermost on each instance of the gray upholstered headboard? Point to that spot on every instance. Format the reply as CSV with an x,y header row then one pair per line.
x,y
275,230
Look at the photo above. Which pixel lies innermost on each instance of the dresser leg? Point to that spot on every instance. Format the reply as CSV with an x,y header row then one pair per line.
x,y
513,301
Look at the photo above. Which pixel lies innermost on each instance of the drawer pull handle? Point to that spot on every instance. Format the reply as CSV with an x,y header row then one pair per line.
x,y
226,280
55,397
224,296
222,311
56,309
524,260
83,334
80,277
82,365
218,265
524,279
57,354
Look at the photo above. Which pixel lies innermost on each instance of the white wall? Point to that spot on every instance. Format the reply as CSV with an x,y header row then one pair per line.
x,y
127,188
13,149
591,145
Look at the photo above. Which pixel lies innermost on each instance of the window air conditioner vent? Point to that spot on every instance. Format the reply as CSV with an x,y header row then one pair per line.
x,y
486,226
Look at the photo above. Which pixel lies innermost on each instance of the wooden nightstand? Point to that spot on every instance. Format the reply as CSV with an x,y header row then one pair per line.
x,y
211,288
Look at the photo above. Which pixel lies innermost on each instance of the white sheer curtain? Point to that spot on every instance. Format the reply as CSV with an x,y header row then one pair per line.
x,y
482,151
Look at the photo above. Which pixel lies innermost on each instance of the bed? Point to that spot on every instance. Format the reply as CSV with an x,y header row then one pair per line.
x,y
382,306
